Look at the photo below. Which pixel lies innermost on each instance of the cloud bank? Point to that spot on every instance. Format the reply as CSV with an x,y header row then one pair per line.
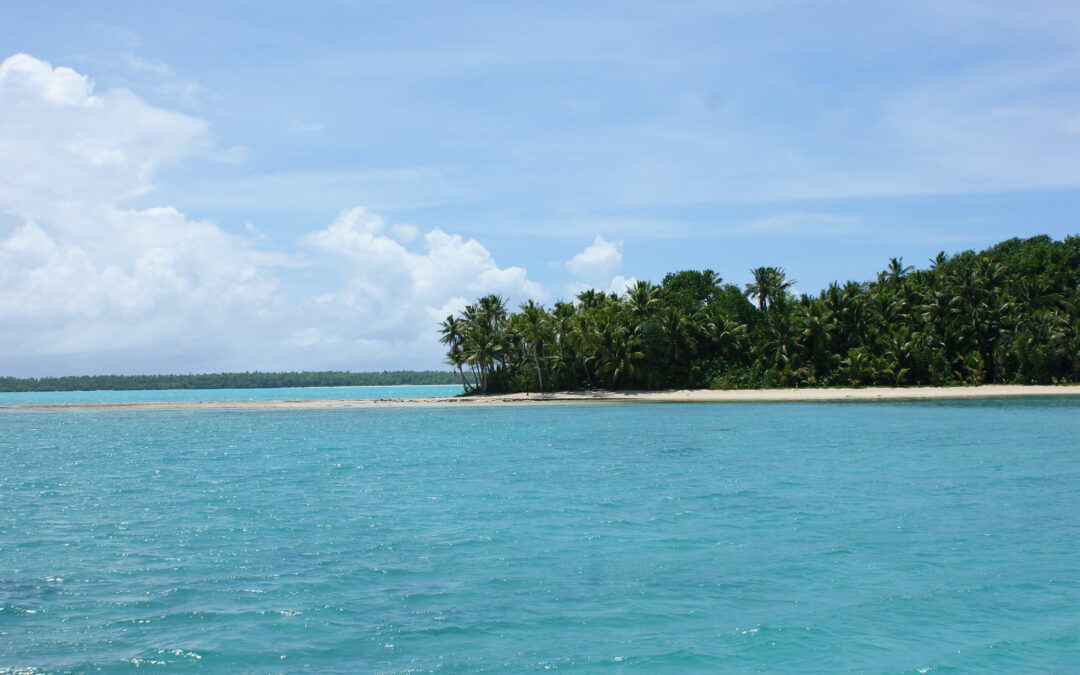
x,y
88,284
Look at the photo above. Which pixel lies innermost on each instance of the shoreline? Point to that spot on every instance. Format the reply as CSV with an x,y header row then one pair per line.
x,y
987,391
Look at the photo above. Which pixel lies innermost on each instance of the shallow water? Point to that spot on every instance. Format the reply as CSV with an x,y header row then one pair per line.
x,y
278,394
850,537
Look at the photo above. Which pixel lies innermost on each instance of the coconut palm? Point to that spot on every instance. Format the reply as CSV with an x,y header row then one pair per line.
x,y
642,299
534,330
896,271
769,286
451,332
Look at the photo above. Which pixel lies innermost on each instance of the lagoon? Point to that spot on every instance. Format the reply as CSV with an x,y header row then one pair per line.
x,y
13,398
773,537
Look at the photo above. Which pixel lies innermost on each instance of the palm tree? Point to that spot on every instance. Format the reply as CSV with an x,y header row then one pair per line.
x,y
896,270
484,349
584,338
619,360
642,298
451,333
492,311
534,331
591,298
769,286
726,335
680,339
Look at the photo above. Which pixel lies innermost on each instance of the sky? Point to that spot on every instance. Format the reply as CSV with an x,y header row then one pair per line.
x,y
233,185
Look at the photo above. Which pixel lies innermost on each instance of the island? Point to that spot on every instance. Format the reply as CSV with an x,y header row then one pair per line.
x,y
1006,315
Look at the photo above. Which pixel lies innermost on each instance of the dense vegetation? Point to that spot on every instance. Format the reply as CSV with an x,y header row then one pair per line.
x,y
227,381
1005,315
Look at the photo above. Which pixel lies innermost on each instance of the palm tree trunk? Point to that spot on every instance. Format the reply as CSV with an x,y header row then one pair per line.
x,y
539,375
585,363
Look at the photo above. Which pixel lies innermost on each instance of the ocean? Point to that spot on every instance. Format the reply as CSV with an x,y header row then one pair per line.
x,y
915,537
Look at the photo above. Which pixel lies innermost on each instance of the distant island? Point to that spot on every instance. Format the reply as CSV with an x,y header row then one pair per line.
x,y
1005,315
254,380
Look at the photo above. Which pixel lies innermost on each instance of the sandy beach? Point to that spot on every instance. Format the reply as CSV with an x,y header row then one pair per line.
x,y
555,398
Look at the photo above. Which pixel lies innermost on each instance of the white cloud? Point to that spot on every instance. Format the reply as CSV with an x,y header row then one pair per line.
x,y
56,86
62,142
599,259
621,284
105,279
81,274
595,267
390,287
89,285
405,233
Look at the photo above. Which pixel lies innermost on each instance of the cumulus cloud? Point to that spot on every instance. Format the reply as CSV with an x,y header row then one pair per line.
x,y
390,287
90,285
599,259
81,275
595,266
405,233
105,281
621,284
61,142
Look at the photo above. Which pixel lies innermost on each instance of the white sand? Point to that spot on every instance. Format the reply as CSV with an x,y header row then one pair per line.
x,y
679,396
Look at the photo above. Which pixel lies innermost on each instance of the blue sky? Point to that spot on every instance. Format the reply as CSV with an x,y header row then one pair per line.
x,y
237,185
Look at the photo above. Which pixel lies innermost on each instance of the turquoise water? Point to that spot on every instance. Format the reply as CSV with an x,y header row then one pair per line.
x,y
853,537
8,398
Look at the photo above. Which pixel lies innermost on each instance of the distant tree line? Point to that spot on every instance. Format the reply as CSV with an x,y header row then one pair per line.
x,y
1008,314
254,380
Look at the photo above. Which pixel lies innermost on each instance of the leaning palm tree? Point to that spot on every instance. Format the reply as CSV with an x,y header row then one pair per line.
x,y
485,350
456,358
452,333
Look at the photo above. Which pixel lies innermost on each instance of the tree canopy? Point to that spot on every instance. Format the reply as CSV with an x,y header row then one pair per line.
x,y
1004,315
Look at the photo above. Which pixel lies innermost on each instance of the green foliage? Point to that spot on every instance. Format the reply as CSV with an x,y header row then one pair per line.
x,y
690,289
1006,315
227,381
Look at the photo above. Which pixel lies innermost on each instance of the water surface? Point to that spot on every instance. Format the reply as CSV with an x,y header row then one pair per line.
x,y
8,398
847,537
